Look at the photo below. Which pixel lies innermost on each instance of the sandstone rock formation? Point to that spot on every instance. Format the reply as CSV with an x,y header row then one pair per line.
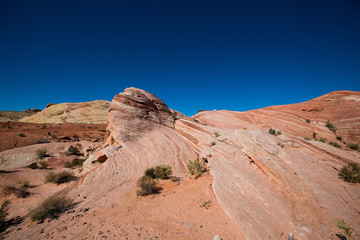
x,y
85,112
270,186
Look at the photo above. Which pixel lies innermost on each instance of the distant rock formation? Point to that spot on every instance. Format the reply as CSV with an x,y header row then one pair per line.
x,y
85,112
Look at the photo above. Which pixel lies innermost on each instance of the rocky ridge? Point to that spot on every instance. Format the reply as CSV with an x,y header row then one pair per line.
x,y
270,186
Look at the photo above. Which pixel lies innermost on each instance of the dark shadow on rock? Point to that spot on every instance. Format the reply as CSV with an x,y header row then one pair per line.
x,y
11,222
340,236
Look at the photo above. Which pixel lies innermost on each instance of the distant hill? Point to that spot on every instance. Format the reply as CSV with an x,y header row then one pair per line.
x,y
84,112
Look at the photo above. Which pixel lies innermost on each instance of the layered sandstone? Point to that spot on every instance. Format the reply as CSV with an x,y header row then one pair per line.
x,y
270,187
84,112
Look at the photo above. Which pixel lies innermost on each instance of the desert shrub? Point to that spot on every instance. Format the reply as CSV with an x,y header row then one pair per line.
x,y
205,204
308,120
58,178
19,192
323,140
272,131
350,173
147,185
278,132
216,134
331,127
335,144
339,138
44,164
348,230
51,208
22,135
160,171
353,146
72,151
33,165
150,172
3,213
163,171
41,140
8,189
76,162
196,168
41,153
24,183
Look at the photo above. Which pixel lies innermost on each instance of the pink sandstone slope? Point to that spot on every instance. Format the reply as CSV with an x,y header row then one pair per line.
x,y
262,186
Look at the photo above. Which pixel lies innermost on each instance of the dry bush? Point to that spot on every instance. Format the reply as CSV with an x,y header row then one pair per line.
x,y
61,177
42,152
72,151
44,164
19,192
350,173
51,208
147,185
76,162
196,168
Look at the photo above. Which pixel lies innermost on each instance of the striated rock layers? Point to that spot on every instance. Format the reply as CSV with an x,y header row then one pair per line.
x,y
85,112
271,186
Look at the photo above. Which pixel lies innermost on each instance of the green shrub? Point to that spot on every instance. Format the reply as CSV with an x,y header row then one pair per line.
x,y
350,173
205,204
150,172
76,162
348,230
73,151
22,135
216,134
61,177
339,138
147,185
323,140
44,164
278,132
163,171
353,146
41,153
196,168
335,144
33,165
51,208
330,126
272,131
3,214
160,171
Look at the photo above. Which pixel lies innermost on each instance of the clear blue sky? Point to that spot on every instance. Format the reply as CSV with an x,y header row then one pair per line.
x,y
235,55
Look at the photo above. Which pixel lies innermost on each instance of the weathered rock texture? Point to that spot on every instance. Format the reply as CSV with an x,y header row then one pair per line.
x,y
85,112
270,186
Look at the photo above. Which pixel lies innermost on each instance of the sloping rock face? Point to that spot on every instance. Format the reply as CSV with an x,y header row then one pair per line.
x,y
140,135
272,187
85,112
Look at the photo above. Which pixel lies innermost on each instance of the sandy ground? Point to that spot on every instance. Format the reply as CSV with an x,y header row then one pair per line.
x,y
173,213
17,134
